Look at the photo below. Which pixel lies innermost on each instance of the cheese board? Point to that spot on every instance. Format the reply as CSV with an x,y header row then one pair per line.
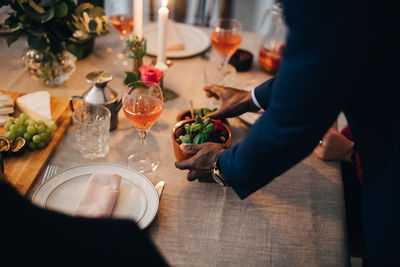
x,y
22,170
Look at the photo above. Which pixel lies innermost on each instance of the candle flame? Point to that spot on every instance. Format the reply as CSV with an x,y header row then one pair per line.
x,y
164,3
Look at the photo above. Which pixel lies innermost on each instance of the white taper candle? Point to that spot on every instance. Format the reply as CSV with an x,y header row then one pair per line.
x,y
162,30
138,18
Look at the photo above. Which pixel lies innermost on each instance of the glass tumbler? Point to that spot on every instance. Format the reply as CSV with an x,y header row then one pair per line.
x,y
92,130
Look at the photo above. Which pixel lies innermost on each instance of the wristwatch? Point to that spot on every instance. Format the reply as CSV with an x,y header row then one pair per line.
x,y
217,175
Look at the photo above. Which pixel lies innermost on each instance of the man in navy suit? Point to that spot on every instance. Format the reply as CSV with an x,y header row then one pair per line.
x,y
339,56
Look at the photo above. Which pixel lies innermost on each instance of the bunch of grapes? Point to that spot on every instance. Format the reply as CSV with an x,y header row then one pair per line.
x,y
36,133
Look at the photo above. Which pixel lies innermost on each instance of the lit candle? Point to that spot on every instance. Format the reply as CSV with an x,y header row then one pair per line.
x,y
162,29
138,18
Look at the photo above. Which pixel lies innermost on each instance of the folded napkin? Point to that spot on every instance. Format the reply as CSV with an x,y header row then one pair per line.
x,y
99,196
174,38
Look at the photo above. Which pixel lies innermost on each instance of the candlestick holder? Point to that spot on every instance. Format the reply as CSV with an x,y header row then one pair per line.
x,y
168,94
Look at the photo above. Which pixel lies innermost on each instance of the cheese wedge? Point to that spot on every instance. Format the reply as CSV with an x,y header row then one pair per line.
x,y
36,105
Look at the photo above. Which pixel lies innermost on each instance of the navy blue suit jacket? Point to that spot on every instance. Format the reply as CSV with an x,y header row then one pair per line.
x,y
339,56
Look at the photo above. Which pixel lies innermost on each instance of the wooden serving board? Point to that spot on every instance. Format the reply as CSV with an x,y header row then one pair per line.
x,y
23,169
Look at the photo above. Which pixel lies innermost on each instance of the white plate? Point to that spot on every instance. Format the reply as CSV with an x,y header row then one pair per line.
x,y
138,198
195,40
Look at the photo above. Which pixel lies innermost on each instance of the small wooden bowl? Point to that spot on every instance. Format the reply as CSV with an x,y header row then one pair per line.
x,y
181,155
181,116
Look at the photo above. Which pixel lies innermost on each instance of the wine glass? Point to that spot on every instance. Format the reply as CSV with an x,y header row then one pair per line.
x,y
120,15
226,38
142,104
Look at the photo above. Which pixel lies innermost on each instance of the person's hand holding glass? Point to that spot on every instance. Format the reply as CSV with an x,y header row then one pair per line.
x,y
142,104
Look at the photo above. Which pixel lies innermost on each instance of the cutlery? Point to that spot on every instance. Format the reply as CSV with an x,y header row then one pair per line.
x,y
50,171
159,187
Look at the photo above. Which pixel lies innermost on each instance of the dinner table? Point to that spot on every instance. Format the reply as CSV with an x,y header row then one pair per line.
x,y
298,219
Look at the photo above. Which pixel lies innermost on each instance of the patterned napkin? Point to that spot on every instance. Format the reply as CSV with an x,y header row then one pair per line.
x,y
99,196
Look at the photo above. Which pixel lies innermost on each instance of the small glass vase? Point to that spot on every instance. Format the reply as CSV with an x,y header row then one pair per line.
x,y
49,68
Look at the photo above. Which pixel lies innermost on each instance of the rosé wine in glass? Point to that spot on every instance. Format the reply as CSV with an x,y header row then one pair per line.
x,y
226,43
143,111
142,104
123,24
226,38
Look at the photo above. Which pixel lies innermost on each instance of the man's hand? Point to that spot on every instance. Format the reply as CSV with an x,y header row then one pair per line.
x,y
200,164
234,102
334,146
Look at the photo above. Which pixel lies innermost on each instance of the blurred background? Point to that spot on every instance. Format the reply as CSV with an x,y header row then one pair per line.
x,y
203,12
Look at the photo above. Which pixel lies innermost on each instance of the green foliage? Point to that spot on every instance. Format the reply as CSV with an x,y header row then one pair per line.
x,y
54,25
198,132
137,47
131,77
61,10
203,111
12,37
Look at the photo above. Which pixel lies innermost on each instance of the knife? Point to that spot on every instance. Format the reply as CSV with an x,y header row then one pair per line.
x,y
159,187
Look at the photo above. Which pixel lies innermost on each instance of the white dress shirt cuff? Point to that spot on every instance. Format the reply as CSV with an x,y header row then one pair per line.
x,y
253,97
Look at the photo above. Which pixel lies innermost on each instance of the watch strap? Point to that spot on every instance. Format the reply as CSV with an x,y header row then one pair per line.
x,y
217,174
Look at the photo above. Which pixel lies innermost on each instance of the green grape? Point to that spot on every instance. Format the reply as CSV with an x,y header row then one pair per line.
x,y
32,123
7,126
27,136
41,144
13,127
21,130
31,129
43,136
32,145
36,138
41,128
40,122
48,140
27,122
10,135
11,119
23,117
17,121
52,126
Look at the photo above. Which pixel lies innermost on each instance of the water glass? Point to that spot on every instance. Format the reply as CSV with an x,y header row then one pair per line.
x,y
92,130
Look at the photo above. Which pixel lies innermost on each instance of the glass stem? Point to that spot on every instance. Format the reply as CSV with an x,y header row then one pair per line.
x,y
142,144
224,69
224,62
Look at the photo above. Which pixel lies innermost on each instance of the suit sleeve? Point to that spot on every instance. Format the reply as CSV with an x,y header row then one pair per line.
x,y
262,94
322,62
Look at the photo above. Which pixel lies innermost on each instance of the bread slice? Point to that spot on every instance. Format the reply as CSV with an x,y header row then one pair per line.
x,y
6,101
6,110
3,119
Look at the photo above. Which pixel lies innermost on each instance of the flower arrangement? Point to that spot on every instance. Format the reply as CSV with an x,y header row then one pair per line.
x,y
55,25
139,71
150,74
